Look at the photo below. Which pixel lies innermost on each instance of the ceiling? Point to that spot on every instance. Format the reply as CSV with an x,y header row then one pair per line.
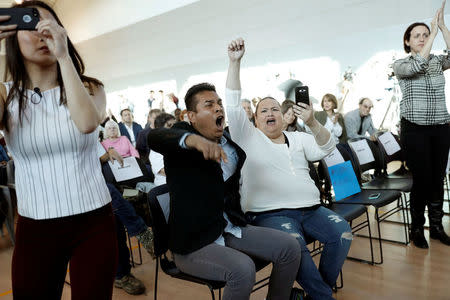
x,y
131,40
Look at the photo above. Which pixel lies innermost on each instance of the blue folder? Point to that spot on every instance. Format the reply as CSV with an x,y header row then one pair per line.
x,y
344,180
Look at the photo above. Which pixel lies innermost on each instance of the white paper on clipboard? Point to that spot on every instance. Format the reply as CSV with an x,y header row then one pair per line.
x,y
362,151
334,158
389,143
129,170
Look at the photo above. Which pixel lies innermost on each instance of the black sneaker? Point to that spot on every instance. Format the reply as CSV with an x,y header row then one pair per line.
x,y
438,233
418,238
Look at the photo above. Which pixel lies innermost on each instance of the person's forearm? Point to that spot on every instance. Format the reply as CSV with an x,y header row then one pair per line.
x,y
425,52
320,133
446,36
233,78
82,108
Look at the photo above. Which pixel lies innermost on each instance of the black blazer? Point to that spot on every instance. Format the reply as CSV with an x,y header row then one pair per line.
x,y
136,129
198,194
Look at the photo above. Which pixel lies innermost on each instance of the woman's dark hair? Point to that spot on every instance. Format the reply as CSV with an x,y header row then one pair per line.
x,y
161,120
15,66
407,34
285,106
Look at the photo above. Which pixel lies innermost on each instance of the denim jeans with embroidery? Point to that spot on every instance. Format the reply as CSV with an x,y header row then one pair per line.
x,y
319,224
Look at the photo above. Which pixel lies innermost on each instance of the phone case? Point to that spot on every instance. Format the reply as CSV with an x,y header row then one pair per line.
x,y
302,94
26,18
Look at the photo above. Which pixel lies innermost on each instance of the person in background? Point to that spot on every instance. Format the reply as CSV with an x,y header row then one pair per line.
x,y
151,99
156,159
425,130
65,213
358,122
128,128
331,120
4,158
247,106
121,144
289,119
141,142
183,116
177,114
173,99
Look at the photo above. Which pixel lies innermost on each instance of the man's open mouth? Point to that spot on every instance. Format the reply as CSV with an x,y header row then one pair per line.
x,y
219,122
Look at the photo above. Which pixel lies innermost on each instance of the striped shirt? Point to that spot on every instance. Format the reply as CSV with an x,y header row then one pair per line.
x,y
422,83
57,170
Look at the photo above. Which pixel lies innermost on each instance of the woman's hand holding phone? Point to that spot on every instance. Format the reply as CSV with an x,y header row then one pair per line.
x,y
6,30
54,36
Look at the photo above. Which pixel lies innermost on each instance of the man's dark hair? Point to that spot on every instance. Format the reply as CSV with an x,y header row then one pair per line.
x,y
162,119
407,34
189,99
125,109
152,91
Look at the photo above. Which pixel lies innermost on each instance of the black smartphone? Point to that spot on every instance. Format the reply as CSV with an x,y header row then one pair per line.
x,y
302,94
26,18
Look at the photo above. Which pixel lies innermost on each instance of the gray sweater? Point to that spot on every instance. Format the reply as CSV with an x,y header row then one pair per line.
x,y
353,122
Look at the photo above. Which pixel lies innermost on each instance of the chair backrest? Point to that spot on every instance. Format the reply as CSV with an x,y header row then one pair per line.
x,y
159,204
346,156
397,156
378,164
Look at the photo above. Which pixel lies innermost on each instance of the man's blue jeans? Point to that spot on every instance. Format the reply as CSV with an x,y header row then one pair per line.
x,y
319,224
125,217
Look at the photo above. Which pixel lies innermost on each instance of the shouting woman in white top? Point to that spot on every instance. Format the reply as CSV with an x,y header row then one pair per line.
x,y
50,112
277,190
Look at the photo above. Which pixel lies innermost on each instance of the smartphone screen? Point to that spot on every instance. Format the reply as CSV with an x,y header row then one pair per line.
x,y
26,18
374,196
302,94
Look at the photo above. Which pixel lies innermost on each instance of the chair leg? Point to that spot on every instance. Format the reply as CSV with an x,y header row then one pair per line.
x,y
220,294
377,217
155,297
131,251
213,297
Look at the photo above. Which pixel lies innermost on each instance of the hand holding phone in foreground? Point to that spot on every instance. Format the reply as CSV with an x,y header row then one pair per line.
x,y
6,30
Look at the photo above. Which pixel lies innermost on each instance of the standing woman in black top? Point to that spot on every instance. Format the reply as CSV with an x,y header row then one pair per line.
x,y
425,131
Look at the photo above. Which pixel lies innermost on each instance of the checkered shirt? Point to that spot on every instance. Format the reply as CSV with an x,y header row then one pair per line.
x,y
423,87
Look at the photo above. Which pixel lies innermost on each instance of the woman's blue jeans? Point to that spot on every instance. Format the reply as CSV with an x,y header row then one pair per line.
x,y
306,226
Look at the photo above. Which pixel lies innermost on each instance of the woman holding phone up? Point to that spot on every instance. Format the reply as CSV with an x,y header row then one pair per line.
x,y
425,131
50,112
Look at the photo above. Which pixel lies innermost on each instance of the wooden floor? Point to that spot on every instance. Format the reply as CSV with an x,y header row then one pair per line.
x,y
407,272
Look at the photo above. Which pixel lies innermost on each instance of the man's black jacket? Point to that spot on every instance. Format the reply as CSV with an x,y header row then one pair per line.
x,y
198,193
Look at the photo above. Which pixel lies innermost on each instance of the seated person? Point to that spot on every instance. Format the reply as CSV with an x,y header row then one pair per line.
x,y
277,190
157,160
128,128
209,236
289,118
126,216
247,106
332,121
4,158
113,139
358,122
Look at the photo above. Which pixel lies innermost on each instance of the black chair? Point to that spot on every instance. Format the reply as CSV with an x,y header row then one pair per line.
x,y
159,204
381,180
385,197
350,212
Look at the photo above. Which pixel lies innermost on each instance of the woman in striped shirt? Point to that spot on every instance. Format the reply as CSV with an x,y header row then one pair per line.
x,y
50,111
425,131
